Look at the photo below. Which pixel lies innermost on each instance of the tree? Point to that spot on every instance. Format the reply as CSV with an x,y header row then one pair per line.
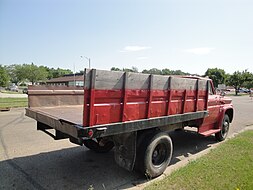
x,y
55,73
237,79
133,69
34,73
115,69
249,82
11,70
153,71
175,72
4,77
164,72
217,76
20,73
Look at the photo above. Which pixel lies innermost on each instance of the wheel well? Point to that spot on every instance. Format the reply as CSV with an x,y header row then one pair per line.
x,y
230,113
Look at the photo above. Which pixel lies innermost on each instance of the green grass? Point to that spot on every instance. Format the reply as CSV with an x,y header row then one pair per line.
x,y
10,92
229,166
13,102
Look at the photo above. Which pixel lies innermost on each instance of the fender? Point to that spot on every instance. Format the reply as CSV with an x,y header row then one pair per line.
x,y
226,109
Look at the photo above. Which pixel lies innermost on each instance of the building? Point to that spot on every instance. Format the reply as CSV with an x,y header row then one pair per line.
x,y
67,80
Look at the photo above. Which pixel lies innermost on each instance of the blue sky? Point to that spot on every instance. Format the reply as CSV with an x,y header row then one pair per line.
x,y
190,35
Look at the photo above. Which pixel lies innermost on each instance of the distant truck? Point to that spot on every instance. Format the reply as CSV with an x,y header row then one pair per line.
x,y
132,113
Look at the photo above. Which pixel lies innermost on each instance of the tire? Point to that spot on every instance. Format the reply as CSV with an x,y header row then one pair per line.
x,y
96,145
155,154
222,134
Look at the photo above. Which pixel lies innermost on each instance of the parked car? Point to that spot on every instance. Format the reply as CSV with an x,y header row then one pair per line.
x,y
25,91
244,90
13,88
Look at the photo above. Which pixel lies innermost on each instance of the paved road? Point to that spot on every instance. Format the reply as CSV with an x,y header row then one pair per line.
x,y
30,159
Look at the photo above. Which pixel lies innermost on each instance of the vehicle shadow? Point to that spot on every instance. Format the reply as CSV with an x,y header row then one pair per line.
x,y
79,168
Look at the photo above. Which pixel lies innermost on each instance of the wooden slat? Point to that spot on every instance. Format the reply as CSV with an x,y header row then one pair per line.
x,y
184,101
114,80
124,98
92,96
150,95
169,96
197,97
207,94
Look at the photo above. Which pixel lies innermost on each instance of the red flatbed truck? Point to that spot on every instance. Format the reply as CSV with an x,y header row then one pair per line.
x,y
131,112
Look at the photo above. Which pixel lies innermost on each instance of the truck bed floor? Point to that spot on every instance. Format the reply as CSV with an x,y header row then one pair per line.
x,y
72,114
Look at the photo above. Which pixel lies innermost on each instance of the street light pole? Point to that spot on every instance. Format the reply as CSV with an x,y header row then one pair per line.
x,y
74,74
87,59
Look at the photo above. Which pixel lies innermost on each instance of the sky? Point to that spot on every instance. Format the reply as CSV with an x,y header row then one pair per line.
x,y
187,35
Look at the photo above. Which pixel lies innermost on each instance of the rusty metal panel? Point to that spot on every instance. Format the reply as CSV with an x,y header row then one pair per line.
x,y
48,96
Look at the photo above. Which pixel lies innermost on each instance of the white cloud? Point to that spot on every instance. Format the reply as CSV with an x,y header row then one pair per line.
x,y
135,48
142,58
200,51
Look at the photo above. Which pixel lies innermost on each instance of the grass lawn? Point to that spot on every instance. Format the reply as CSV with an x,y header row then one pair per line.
x,y
229,166
10,92
13,102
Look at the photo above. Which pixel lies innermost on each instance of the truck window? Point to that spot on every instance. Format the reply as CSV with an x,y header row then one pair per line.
x,y
210,89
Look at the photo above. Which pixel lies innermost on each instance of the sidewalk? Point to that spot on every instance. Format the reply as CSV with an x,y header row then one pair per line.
x,y
5,95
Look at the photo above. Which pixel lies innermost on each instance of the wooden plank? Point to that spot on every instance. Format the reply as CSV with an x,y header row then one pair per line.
x,y
92,96
197,96
114,80
207,94
169,96
150,95
125,86
184,101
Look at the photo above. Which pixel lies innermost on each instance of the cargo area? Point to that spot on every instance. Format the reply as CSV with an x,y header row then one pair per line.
x,y
72,114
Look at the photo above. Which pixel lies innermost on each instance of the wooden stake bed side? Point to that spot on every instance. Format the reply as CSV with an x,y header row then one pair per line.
x,y
111,97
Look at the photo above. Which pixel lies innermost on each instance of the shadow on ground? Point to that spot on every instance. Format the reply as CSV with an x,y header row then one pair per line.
x,y
79,168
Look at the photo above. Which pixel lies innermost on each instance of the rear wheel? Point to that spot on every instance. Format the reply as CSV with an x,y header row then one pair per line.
x,y
222,134
99,145
155,154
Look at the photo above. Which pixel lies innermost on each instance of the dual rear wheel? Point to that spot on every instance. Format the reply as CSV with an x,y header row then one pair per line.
x,y
154,154
154,151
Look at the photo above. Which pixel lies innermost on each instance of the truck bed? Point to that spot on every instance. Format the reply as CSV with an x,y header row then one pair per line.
x,y
72,114
116,102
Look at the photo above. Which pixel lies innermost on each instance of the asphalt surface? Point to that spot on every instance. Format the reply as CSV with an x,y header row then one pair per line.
x,y
30,159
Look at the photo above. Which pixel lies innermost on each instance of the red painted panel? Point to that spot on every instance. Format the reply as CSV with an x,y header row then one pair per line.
x,y
107,106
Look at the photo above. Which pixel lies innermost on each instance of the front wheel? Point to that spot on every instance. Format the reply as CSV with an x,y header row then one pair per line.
x,y
156,154
222,134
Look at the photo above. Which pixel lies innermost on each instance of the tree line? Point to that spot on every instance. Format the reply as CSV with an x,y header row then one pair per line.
x,y
237,80
21,73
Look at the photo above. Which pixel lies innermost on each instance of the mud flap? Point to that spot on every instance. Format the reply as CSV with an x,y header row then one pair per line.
x,y
125,150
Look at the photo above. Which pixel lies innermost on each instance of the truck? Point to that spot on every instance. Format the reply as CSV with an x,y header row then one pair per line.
x,y
131,113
